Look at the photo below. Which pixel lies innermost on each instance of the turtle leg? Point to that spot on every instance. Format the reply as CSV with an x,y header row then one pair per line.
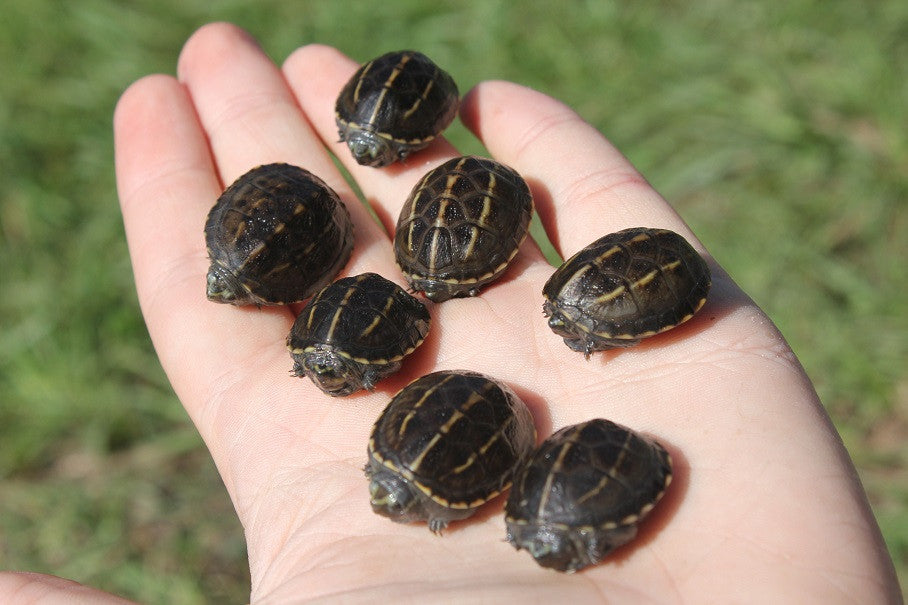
x,y
371,374
437,525
589,344
581,345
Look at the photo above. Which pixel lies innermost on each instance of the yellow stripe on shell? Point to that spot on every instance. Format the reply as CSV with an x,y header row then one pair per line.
x,y
386,87
378,317
646,334
428,392
362,78
347,124
469,280
444,429
406,474
419,99
604,256
338,312
609,476
483,217
556,468
482,450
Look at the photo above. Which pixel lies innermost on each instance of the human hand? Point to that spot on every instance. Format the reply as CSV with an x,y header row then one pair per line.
x,y
765,505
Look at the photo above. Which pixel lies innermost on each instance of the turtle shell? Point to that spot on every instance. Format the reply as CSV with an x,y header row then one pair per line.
x,y
583,492
394,105
460,227
623,287
444,445
275,236
355,332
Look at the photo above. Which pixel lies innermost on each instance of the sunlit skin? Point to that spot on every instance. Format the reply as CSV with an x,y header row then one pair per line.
x,y
765,507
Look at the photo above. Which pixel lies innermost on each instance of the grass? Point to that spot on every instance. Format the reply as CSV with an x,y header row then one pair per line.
x,y
778,133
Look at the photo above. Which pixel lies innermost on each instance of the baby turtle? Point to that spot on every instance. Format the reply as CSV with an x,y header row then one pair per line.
x,y
583,492
355,332
444,445
624,287
275,236
462,224
395,105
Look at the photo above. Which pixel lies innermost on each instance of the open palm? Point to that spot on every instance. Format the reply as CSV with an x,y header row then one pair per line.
x,y
765,503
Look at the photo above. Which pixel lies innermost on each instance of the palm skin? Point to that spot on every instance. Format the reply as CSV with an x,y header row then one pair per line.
x,y
765,506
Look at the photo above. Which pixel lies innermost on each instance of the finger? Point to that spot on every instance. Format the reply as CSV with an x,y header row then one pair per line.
x,y
166,183
584,187
229,366
251,118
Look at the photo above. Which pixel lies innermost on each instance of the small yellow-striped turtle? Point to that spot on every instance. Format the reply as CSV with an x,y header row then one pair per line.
x,y
275,236
394,105
355,332
461,226
624,287
583,492
445,444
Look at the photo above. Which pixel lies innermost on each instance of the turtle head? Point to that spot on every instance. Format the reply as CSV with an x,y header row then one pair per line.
x,y
574,337
439,291
399,499
560,325
369,149
223,287
557,321
551,547
392,496
565,548
333,374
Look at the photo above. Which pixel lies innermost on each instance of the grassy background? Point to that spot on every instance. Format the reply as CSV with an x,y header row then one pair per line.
x,y
778,134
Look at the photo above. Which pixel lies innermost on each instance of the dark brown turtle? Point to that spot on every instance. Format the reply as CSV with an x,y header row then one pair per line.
x,y
275,236
462,224
444,445
583,492
394,105
355,332
624,287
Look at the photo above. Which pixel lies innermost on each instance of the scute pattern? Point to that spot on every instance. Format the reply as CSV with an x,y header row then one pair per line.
x,y
461,226
625,286
394,105
275,236
583,492
436,424
596,472
452,439
355,332
364,317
